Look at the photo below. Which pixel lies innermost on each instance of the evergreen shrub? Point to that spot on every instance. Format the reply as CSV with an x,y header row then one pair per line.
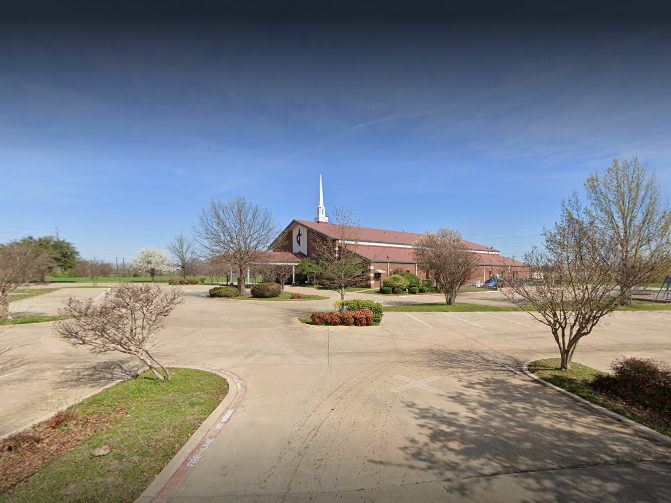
x,y
266,290
224,291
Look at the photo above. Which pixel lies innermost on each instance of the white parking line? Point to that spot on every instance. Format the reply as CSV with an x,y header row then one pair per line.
x,y
418,320
504,319
416,383
11,374
461,319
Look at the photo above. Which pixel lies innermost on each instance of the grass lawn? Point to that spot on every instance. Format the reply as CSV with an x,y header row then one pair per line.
x,y
577,382
144,421
285,296
27,294
457,307
24,320
641,305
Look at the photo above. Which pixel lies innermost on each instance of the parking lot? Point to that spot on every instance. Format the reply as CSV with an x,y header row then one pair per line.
x,y
425,407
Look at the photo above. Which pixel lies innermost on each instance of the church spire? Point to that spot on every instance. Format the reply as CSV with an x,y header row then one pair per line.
x,y
321,211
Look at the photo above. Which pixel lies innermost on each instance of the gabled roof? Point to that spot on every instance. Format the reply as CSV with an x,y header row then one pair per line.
x,y
366,235
280,257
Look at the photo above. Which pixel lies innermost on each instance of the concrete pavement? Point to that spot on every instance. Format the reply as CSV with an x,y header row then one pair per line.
x,y
323,418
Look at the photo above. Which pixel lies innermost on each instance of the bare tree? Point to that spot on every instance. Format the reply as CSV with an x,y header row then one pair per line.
x,y
572,283
447,259
215,268
20,263
274,271
341,266
625,203
125,321
184,252
237,231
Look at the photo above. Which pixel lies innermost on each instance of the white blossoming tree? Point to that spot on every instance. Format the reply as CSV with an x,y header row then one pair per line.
x,y
152,261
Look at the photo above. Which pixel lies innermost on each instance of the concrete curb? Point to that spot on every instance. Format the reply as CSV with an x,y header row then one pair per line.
x,y
180,465
650,433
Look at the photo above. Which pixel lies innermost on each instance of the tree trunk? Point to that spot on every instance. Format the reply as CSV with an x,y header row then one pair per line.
x,y
342,293
4,306
241,282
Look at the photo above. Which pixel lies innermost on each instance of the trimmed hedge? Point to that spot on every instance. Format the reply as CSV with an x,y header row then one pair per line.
x,y
385,289
358,304
423,289
413,289
360,318
266,290
182,281
224,291
396,281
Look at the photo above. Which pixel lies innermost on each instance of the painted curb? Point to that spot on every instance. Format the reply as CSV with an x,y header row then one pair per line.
x,y
176,471
652,434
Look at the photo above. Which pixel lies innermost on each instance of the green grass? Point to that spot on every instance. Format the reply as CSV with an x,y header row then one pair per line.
x,y
457,307
352,289
27,294
577,381
285,296
160,418
24,320
641,305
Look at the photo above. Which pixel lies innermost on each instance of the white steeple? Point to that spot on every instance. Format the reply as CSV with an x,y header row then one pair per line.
x,y
321,211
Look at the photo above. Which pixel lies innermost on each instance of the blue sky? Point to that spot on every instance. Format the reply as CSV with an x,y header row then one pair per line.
x,y
120,133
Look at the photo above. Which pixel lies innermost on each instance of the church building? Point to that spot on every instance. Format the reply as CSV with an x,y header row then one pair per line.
x,y
385,252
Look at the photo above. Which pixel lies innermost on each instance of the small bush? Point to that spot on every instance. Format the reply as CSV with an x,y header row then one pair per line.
x,y
201,281
427,283
182,281
363,317
413,289
347,318
332,318
422,289
396,281
224,291
641,381
296,296
413,279
266,290
385,289
318,318
397,290
358,304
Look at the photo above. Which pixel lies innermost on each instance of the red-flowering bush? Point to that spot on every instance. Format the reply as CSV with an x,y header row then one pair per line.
x,y
296,296
318,318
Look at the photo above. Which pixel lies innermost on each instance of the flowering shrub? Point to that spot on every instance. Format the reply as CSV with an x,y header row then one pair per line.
x,y
318,318
296,296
